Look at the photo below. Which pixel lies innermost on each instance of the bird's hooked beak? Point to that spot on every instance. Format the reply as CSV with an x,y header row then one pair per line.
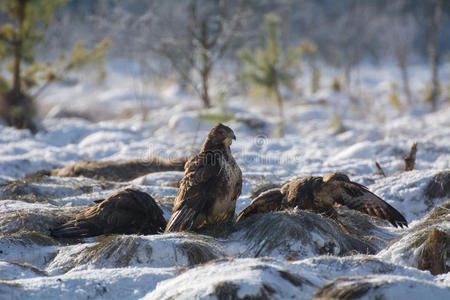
x,y
229,139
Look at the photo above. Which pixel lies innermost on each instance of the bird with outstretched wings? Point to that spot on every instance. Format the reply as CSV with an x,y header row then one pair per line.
x,y
321,194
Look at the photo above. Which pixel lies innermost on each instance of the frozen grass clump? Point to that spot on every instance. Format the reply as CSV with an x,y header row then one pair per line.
x,y
426,245
118,251
380,287
12,269
32,248
301,234
34,220
119,171
237,279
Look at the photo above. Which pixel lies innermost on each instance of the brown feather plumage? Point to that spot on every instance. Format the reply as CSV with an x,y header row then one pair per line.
x,y
358,197
210,186
267,201
320,194
125,212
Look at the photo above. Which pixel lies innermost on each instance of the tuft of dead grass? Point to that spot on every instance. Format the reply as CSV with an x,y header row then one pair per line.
x,y
119,171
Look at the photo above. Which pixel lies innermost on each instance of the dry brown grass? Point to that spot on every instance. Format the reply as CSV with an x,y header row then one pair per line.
x,y
119,171
435,251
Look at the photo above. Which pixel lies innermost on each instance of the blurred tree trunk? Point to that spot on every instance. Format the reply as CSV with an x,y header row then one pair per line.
x,y
25,21
17,44
434,27
18,108
211,29
205,93
279,101
403,65
315,79
206,64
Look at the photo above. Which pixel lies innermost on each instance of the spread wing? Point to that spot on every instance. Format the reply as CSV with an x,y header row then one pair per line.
x,y
128,211
301,192
201,173
358,197
267,201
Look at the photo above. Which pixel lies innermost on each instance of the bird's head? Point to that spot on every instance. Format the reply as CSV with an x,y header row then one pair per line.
x,y
221,134
336,176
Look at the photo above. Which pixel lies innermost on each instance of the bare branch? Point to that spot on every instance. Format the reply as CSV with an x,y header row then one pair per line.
x,y
410,160
380,169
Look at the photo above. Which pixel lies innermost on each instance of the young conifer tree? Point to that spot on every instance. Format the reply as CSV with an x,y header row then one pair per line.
x,y
18,39
269,68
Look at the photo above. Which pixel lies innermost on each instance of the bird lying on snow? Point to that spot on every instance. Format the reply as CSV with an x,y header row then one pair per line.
x,y
320,194
211,184
125,212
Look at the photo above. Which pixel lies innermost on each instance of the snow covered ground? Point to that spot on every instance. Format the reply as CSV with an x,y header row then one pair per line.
x,y
242,263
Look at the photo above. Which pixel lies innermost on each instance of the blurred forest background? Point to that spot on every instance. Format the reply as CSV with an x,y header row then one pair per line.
x,y
237,47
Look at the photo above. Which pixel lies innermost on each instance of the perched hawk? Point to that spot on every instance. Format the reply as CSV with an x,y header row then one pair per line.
x,y
128,211
211,184
320,195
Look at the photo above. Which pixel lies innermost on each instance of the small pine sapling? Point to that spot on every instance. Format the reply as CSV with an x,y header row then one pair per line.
x,y
27,20
269,68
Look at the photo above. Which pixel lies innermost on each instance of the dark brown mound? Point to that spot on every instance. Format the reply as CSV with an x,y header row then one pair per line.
x,y
17,109
435,252
119,171
439,186
427,245
344,288
129,211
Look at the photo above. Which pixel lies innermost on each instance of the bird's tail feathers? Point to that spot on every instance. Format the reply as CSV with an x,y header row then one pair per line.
x,y
245,213
182,220
266,202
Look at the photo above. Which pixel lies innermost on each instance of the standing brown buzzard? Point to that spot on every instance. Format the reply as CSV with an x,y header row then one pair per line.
x,y
211,184
320,195
128,211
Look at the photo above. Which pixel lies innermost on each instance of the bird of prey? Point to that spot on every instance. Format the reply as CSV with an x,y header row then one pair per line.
x,y
211,184
125,212
320,194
